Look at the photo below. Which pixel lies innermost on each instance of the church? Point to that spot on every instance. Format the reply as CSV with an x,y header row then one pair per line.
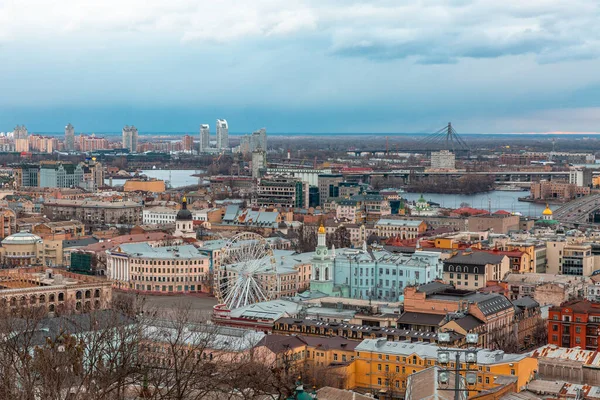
x,y
184,222
375,274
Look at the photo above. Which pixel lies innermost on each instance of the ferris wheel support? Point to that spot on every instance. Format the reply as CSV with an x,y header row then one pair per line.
x,y
244,276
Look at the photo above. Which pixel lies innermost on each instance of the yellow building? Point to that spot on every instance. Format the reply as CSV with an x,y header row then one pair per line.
x,y
140,185
383,365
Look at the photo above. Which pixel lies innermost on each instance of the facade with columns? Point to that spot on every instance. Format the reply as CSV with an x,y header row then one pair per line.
x,y
142,268
370,273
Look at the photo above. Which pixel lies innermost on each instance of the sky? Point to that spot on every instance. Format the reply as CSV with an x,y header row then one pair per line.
x,y
292,66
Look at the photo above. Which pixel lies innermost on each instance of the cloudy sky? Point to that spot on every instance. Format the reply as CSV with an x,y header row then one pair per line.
x,y
301,66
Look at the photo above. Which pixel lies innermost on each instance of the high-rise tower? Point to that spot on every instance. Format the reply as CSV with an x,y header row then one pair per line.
x,y
222,134
204,137
130,138
69,137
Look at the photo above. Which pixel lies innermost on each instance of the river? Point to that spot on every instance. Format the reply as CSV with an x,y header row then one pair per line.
x,y
177,177
497,200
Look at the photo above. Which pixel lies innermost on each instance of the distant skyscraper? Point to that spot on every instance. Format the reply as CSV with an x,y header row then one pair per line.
x,y
21,138
259,161
130,138
69,137
187,143
222,134
259,139
204,137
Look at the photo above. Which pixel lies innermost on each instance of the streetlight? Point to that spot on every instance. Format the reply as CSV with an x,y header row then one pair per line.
x,y
469,356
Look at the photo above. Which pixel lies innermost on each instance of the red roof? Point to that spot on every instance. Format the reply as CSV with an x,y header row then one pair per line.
x,y
470,211
502,212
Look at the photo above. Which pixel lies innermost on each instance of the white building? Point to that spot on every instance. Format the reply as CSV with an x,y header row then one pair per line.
x,y
443,160
222,134
166,215
169,269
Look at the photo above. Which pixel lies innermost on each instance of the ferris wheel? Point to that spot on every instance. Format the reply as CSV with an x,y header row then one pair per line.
x,y
247,272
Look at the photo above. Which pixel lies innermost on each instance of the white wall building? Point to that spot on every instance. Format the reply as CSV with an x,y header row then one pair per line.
x,y
443,160
222,134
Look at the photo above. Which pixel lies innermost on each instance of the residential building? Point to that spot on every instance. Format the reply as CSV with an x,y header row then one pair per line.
x,y
401,228
88,143
281,192
62,230
561,191
471,270
21,138
204,143
354,332
8,222
259,163
574,324
141,267
95,212
130,138
497,223
443,160
69,137
222,135
187,142
385,365
494,310
528,322
546,289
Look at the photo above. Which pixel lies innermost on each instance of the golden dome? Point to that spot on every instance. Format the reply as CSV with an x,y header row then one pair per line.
x,y
547,211
321,229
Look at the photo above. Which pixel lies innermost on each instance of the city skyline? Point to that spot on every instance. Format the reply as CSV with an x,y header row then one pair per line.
x,y
297,67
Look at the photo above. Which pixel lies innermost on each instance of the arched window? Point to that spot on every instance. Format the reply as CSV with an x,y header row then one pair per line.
x,y
317,270
451,268
326,273
475,270
458,268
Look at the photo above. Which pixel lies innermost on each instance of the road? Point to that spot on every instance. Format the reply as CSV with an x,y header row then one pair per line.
x,y
578,211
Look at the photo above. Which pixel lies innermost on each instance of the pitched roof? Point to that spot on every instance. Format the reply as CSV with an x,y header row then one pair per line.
x,y
420,318
281,343
475,258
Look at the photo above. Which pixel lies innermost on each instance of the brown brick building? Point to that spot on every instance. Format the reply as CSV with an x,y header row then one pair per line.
x,y
95,212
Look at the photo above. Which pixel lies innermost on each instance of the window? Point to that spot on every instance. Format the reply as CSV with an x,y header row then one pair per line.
x,y
397,368
451,275
577,329
379,381
458,276
512,371
577,340
555,338
487,379
378,367
335,357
